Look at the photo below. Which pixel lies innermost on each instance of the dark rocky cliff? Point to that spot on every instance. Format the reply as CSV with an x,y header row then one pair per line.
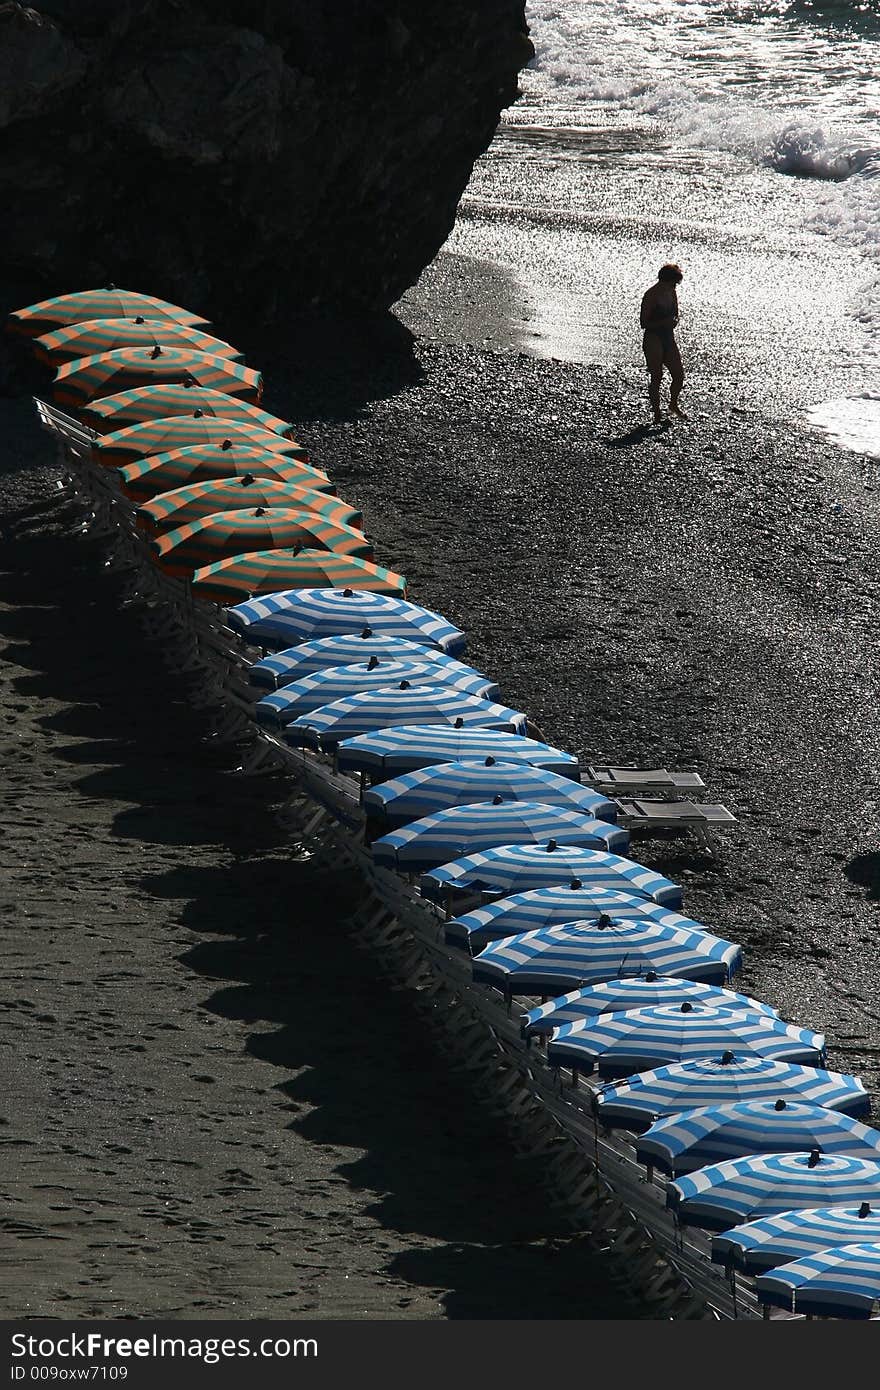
x,y
256,159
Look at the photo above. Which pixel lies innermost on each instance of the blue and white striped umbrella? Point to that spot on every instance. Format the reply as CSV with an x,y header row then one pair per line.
x,y
637,1102
298,615
745,1189
543,962
432,840
713,1134
622,1043
791,1235
393,751
392,707
284,667
519,868
540,908
839,1283
433,789
644,992
339,682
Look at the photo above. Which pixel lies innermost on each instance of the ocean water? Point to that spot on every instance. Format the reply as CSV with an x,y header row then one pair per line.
x,y
741,140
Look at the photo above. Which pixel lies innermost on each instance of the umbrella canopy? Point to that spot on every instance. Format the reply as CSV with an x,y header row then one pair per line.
x,y
518,868
555,907
393,751
638,992
639,1101
87,378
91,336
839,1283
107,302
180,431
346,649
430,840
715,1133
580,953
285,619
253,528
745,1189
396,706
338,682
619,1044
266,571
433,789
181,505
200,463
774,1240
143,403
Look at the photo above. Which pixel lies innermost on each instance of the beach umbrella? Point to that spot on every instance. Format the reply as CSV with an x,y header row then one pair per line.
x,y
776,1240
393,751
637,992
107,302
220,534
634,1040
338,682
507,869
582,953
294,663
394,707
87,378
285,619
713,1134
265,571
557,906
637,1102
433,789
142,403
430,840
839,1283
745,1189
91,336
169,510
198,463
180,431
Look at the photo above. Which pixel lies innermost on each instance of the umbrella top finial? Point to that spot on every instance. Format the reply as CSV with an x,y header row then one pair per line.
x,y
459,722
780,1104
157,352
261,511
373,662
651,976
490,761
248,480
188,380
497,800
864,1210
551,846
687,1007
405,685
347,593
197,414
815,1158
575,884
140,319
227,444
726,1058
111,286
603,921
368,631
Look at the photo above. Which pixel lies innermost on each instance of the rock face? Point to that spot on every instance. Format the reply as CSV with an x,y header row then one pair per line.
x,y
256,159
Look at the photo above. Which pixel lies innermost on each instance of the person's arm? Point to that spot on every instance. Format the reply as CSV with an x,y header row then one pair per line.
x,y
647,306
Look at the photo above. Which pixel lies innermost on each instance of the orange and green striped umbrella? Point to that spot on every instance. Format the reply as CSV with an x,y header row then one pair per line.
x,y
143,403
222,534
269,571
200,462
169,510
105,303
182,431
89,377
106,335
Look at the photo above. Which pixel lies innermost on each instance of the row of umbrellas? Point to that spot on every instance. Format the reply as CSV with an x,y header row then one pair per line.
x,y
763,1144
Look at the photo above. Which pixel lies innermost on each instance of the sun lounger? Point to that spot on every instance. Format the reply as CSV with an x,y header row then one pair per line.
x,y
636,779
699,818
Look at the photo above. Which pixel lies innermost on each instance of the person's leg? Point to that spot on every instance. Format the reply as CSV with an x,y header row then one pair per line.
x,y
653,349
672,358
